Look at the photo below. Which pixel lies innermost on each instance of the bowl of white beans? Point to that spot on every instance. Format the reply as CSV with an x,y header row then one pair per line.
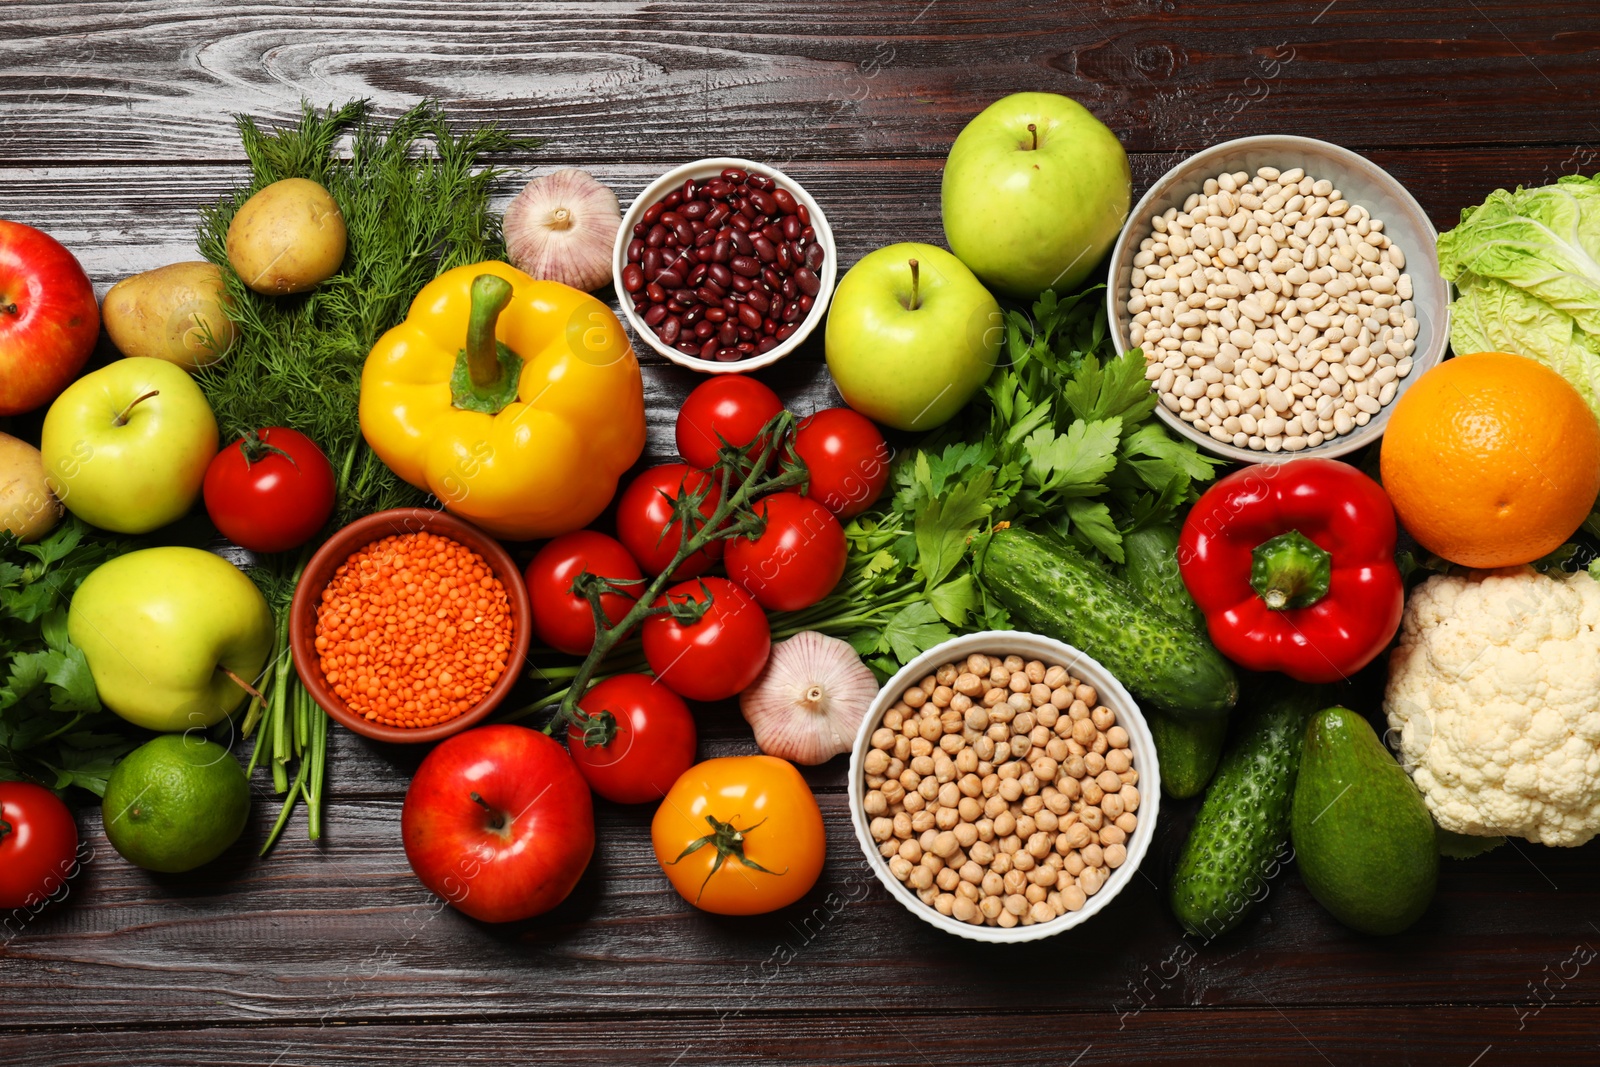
x,y
1285,292
1004,787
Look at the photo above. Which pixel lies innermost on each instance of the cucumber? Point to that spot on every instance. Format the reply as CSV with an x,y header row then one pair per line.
x,y
1187,750
1152,570
1051,589
1241,835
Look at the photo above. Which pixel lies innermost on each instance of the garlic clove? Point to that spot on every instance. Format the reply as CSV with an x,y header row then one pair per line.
x,y
562,227
809,701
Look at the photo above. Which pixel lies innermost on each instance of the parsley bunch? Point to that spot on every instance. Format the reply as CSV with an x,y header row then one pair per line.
x,y
53,730
1062,439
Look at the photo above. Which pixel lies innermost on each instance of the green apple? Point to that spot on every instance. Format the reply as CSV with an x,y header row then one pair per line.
x,y
126,447
911,336
166,631
1035,191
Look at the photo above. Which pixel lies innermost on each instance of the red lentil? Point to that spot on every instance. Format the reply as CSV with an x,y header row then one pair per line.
x,y
413,630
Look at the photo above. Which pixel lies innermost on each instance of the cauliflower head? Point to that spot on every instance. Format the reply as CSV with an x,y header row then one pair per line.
x,y
1494,692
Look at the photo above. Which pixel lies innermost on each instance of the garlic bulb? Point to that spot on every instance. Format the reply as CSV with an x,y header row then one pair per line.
x,y
809,701
562,228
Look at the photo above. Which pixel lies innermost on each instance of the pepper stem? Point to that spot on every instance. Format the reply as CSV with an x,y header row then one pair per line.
x,y
487,373
1290,571
915,271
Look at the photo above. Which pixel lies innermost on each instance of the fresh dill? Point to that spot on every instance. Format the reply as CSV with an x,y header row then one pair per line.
x,y
415,200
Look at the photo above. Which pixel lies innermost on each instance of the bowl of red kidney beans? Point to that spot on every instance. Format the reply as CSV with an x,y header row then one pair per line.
x,y
724,265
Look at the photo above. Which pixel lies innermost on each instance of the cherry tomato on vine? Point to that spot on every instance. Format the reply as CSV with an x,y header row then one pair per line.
x,y
798,558
38,845
740,835
652,745
270,491
725,407
643,513
847,457
716,656
561,618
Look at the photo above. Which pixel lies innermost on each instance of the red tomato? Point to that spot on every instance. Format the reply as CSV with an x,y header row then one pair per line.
x,y
848,460
725,407
653,744
270,491
719,655
38,845
798,558
499,823
643,513
562,619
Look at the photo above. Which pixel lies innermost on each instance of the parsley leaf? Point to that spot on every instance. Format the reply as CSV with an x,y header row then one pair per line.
x,y
913,630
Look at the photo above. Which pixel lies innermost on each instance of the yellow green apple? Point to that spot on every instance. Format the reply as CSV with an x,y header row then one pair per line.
x,y
168,633
126,447
911,336
1035,191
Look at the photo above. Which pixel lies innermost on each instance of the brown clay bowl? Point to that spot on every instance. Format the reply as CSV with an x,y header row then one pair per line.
x,y
338,548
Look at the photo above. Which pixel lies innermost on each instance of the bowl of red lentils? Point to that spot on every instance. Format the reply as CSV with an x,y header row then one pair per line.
x,y
409,625
1004,786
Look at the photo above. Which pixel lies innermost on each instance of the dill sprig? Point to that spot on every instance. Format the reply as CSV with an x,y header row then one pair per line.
x,y
415,200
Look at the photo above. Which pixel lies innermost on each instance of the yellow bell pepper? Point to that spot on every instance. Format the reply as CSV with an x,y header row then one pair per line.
x,y
516,402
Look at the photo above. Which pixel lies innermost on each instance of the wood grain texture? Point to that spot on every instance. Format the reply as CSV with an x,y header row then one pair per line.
x,y
148,79
885,1034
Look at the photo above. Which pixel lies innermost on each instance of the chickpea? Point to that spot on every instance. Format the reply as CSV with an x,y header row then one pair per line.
x,y
984,747
963,910
1083,732
895,717
1093,764
1111,804
919,878
1033,894
1047,821
1117,737
874,804
1002,863
1128,822
981,852
1075,766
1002,752
999,676
1073,898
1019,683
1079,710
1026,827
883,739
1055,677
940,697
946,818
902,747
1020,701
1022,860
932,730
991,906
1070,788
970,809
1073,748
911,850
1009,844
874,780
966,834
1040,736
1058,803
950,794
1099,745
915,697
992,885
1005,824
1072,865
1116,856
971,873
944,845
882,829
1044,875
1042,912
900,867
1060,699
969,891
1103,717
945,904
1039,694
947,879
1006,920
1112,834
902,826
961,703
978,664
1118,760
1020,747
1010,788
923,821
976,718
1092,880
993,698
933,863
1130,776
1016,904
1045,768
1023,723
985,828
889,848
1039,845
928,787
1092,793
1032,805
1130,796
1093,818
1046,715
1093,855
1108,781
1077,836
914,802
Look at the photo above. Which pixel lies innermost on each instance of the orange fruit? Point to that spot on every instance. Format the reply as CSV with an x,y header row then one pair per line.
x,y
1491,460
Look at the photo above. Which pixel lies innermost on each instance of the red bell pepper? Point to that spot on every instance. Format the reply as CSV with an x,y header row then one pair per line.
x,y
1293,566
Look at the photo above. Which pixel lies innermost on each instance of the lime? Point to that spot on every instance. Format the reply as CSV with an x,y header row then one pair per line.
x,y
175,803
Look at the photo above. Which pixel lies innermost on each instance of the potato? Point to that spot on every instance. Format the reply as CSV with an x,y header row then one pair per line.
x,y
287,238
177,313
27,506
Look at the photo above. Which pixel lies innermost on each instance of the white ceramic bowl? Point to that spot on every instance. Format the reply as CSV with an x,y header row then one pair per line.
x,y
1112,695
706,168
1362,182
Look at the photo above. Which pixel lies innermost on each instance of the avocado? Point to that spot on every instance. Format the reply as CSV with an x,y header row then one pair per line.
x,y
1363,839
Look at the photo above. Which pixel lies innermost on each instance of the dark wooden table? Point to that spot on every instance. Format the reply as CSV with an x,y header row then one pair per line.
x,y
114,128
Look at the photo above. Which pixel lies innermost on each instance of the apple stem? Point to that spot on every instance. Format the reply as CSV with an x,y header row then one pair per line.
x,y
914,272
9,307
497,820
238,681
1034,130
122,419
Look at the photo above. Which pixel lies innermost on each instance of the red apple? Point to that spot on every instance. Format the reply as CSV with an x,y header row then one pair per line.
x,y
499,822
48,317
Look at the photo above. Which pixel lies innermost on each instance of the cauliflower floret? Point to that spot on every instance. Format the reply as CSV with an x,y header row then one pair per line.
x,y
1494,692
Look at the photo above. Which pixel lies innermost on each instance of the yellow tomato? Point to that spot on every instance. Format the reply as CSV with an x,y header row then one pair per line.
x,y
740,835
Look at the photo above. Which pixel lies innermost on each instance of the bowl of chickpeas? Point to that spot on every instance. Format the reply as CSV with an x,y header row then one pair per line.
x,y
1004,786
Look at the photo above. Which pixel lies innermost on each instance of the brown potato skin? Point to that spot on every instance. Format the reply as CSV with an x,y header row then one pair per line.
x,y
27,506
287,238
168,312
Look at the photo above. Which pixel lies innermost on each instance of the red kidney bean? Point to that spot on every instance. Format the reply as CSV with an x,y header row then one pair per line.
x,y
632,278
709,349
763,203
673,307
717,214
670,279
791,227
669,330
742,243
716,188
765,251
704,329
785,201
635,250
749,316
742,284
773,232
653,317
719,274
785,259
805,302
807,280
716,314
652,213
767,344
727,355
694,209
673,199
698,275
769,327
708,295
656,294
689,346
762,182
789,290
814,256
721,250
706,254
728,334
804,213
657,236
808,234
746,347
691,314
786,332
705,238
746,334
792,312
745,265
759,300
738,222
684,233
771,277
688,189
685,296
651,262
670,219
735,176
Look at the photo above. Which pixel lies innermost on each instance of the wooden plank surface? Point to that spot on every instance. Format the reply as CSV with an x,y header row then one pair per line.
x,y
116,128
